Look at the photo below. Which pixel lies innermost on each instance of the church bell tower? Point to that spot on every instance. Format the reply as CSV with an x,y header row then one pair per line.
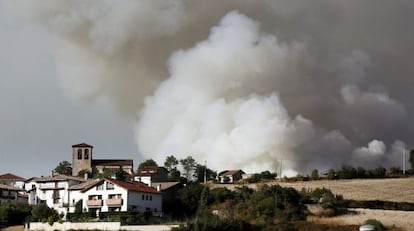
x,y
81,158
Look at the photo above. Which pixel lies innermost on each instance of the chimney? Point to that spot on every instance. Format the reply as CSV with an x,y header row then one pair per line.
x,y
159,188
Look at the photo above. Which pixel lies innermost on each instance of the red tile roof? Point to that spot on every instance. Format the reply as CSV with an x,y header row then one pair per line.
x,y
57,177
112,162
82,145
231,172
9,176
150,170
134,186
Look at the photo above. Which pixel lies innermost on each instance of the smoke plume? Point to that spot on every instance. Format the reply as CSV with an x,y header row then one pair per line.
x,y
243,84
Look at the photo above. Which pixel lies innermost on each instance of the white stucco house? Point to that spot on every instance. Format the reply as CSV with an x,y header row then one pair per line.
x,y
115,195
151,174
12,180
52,190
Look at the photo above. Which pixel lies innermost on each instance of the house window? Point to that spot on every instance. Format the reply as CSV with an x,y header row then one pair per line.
x,y
109,186
99,187
86,154
95,197
143,197
150,198
146,197
79,154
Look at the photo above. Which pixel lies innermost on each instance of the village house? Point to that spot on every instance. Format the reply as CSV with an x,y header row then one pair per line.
x,y
157,177
12,180
10,193
150,174
82,159
52,190
230,176
114,195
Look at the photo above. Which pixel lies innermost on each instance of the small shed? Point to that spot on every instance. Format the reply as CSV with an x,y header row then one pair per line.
x,y
230,176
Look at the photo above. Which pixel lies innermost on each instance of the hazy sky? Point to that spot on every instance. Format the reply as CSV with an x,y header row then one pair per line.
x,y
241,84
38,123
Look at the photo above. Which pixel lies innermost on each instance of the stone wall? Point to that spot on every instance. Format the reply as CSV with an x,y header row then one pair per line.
x,y
37,226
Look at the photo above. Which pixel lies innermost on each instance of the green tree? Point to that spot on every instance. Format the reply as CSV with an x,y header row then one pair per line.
x,y
78,207
189,199
200,170
189,165
171,163
117,173
379,172
82,173
14,213
64,168
347,172
331,174
149,162
314,175
42,212
361,172
267,175
395,171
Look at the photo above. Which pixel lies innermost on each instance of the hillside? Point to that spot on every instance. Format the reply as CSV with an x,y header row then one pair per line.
x,y
397,190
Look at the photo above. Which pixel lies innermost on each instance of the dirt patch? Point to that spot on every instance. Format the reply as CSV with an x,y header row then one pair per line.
x,y
14,228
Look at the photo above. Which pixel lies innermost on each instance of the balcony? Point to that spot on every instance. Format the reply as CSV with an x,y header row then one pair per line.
x,y
94,203
114,202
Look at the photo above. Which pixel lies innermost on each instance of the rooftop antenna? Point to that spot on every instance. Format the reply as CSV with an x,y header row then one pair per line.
x,y
403,161
280,170
205,172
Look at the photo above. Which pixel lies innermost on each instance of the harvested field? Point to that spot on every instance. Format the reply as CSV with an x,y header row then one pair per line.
x,y
396,190
401,219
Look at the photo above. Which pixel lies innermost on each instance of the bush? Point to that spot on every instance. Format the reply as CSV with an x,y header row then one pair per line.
x,y
377,204
376,223
14,213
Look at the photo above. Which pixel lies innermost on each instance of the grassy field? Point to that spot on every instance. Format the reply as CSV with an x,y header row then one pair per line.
x,y
397,190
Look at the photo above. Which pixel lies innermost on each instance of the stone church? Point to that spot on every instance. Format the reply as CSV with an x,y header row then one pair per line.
x,y
82,158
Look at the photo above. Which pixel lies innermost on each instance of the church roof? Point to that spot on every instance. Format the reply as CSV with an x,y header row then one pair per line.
x,y
82,145
112,162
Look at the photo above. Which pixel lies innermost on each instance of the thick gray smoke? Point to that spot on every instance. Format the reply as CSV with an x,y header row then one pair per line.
x,y
243,84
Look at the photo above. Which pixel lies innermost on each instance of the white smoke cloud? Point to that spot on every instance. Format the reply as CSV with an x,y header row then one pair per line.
x,y
208,107
376,154
291,80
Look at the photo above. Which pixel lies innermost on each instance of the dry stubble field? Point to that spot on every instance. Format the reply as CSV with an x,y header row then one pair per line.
x,y
397,190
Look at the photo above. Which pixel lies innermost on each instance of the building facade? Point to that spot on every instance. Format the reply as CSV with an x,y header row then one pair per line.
x,y
82,159
114,195
53,191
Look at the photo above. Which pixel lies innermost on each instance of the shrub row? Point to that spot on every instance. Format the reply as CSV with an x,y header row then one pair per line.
x,y
377,204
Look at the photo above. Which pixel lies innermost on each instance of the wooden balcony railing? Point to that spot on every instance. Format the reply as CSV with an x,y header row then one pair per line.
x,y
114,202
94,203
